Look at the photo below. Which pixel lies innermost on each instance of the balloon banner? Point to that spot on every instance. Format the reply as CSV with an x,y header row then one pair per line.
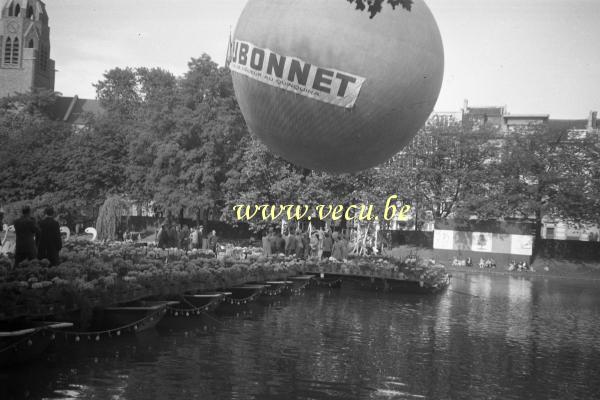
x,y
289,73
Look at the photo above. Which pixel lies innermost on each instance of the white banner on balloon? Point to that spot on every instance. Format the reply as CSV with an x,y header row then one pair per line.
x,y
295,75
443,240
521,244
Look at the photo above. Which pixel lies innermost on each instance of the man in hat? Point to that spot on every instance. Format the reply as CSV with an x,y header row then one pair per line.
x,y
26,231
50,241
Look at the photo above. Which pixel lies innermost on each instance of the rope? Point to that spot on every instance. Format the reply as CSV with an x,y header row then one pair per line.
x,y
26,338
329,284
301,288
194,310
245,299
117,331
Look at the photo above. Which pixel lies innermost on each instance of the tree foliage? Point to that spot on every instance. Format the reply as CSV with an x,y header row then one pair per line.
x,y
373,7
109,217
543,173
181,142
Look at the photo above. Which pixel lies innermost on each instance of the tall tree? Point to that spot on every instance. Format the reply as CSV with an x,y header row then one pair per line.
x,y
549,174
443,170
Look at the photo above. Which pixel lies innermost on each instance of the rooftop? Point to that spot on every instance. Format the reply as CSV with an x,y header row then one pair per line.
x,y
74,110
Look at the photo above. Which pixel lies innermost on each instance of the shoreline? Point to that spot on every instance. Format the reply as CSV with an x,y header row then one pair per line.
x,y
558,269
536,274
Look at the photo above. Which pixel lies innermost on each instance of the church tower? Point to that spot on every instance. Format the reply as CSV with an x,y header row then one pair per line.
x,y
24,47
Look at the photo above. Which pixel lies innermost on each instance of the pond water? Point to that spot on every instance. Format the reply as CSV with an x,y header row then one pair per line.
x,y
486,337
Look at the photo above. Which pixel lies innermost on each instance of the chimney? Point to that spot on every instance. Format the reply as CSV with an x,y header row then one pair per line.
x,y
466,105
592,120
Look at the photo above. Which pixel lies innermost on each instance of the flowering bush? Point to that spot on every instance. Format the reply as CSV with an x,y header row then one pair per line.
x,y
98,274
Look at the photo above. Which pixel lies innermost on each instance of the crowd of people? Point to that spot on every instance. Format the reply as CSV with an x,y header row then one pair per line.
x,y
317,244
37,239
182,237
490,263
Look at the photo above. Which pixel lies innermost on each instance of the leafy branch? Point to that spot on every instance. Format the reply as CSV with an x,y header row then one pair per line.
x,y
375,6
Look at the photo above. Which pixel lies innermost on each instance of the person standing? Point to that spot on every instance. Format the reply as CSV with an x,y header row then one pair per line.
x,y
26,230
194,239
50,240
345,246
280,243
173,237
212,241
299,244
337,249
290,244
163,237
327,246
184,241
1,225
266,244
314,245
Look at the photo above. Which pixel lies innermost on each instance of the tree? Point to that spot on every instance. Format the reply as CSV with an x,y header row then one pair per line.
x,y
46,163
548,174
109,217
376,6
118,92
443,170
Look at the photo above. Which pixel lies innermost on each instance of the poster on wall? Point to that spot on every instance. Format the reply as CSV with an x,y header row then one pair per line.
x,y
443,240
482,242
521,245
462,240
501,243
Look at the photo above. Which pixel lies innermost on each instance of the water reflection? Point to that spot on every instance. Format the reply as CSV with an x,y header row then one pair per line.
x,y
486,337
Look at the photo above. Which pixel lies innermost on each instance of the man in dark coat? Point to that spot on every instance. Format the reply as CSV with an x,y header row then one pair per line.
x,y
50,241
1,225
26,230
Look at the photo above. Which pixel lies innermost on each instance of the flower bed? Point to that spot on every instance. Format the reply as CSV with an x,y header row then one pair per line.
x,y
95,274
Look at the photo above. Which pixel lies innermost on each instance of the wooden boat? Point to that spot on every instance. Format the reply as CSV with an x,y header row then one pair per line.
x,y
277,288
300,282
24,341
330,282
245,294
197,304
135,316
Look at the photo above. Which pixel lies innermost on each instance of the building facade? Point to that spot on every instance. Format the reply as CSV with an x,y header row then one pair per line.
x,y
25,62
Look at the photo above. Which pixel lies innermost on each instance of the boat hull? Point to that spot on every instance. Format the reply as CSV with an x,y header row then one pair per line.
x,y
27,341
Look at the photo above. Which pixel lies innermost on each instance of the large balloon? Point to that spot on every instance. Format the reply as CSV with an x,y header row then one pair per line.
x,y
328,88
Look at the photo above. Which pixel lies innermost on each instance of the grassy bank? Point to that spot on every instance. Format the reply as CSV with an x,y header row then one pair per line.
x,y
555,267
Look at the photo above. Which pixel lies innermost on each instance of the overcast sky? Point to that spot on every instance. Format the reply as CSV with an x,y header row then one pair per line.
x,y
534,56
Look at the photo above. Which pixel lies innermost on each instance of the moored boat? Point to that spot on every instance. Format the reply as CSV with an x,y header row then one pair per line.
x,y
300,283
197,304
277,288
245,294
328,282
23,341
136,316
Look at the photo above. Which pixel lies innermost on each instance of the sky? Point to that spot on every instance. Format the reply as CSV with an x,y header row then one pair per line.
x,y
532,56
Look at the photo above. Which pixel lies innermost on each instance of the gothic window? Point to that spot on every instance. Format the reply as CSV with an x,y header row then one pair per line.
x,y
31,44
11,9
29,13
17,10
15,52
7,50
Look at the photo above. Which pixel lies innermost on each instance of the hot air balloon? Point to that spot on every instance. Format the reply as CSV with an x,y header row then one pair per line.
x,y
328,88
